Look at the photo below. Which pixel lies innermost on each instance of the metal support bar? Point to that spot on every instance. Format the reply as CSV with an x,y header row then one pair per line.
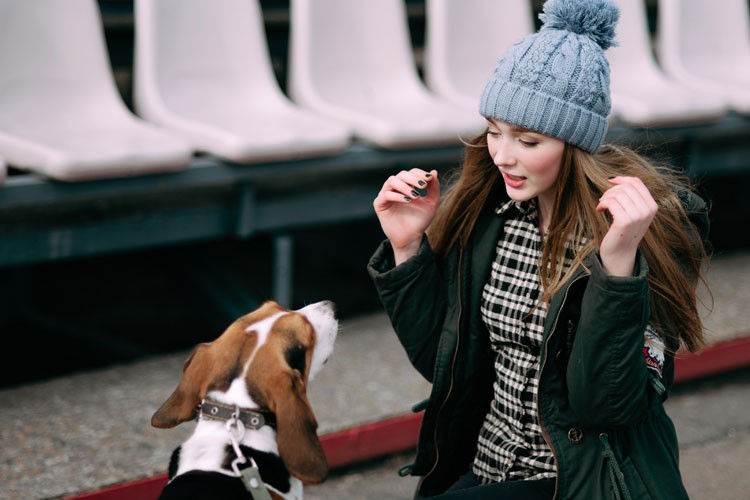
x,y
283,269
246,211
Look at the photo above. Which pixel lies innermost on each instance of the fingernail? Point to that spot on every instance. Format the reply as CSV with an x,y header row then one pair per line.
x,y
427,176
414,193
422,183
610,178
406,198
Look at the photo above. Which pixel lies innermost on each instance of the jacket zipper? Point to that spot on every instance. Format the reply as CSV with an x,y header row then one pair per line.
x,y
545,434
453,363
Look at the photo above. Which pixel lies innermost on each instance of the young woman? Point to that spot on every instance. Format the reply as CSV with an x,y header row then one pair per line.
x,y
545,294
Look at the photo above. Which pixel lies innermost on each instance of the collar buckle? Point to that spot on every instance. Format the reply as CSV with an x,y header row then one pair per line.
x,y
250,419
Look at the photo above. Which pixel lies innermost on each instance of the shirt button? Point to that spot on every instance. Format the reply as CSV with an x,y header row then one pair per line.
x,y
575,435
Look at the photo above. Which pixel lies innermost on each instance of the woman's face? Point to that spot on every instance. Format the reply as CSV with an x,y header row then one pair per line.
x,y
530,162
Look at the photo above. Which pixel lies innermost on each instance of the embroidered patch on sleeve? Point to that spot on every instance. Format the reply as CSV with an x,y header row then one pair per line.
x,y
653,350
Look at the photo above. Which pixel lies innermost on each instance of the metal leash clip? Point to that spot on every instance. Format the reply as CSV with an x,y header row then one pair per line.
x,y
250,475
236,430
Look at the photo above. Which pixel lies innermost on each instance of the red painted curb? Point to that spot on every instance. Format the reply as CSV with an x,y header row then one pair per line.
x,y
712,360
346,447
370,441
394,435
142,489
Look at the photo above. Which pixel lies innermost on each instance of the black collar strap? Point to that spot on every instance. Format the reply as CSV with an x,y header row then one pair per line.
x,y
251,419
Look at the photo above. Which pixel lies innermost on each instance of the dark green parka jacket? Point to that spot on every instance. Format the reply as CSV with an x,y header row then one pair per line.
x,y
600,407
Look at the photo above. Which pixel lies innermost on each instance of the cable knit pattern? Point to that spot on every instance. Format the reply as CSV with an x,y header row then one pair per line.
x,y
556,81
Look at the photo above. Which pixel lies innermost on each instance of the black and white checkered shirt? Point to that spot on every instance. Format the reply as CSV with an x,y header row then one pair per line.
x,y
511,445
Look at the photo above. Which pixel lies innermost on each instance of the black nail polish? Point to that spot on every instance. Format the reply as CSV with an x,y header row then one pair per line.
x,y
407,198
422,183
427,176
414,193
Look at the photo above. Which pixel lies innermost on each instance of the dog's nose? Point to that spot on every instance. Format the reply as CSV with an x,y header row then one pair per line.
x,y
328,304
325,307
323,304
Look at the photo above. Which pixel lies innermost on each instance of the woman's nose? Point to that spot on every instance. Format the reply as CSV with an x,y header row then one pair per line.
x,y
503,153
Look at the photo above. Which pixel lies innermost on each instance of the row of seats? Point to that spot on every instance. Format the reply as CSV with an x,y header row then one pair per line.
x,y
203,80
703,50
703,67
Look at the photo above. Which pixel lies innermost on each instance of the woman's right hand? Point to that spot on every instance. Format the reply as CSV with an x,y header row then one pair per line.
x,y
404,213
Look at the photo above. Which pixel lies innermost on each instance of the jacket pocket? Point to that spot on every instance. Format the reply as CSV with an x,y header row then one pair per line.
x,y
625,482
636,487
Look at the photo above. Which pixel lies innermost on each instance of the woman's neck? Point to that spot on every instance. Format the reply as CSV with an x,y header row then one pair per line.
x,y
544,212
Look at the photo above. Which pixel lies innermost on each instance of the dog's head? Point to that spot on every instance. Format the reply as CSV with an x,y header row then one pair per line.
x,y
265,359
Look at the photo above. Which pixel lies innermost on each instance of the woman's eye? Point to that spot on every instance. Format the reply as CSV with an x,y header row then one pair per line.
x,y
492,133
529,144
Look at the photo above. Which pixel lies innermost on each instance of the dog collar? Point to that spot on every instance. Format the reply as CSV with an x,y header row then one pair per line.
x,y
251,419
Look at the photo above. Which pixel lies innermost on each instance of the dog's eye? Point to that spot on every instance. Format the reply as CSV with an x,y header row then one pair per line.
x,y
295,357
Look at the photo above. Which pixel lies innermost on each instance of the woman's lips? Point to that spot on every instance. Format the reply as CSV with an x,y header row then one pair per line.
x,y
514,181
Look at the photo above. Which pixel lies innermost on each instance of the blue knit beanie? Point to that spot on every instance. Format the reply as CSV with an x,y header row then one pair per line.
x,y
556,81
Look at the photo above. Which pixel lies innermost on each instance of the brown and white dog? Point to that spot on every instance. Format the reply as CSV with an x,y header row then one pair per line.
x,y
255,436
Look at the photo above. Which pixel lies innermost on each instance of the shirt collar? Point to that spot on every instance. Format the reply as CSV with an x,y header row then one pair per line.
x,y
522,207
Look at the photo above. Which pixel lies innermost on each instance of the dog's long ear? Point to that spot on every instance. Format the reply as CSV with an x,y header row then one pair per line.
x,y
181,405
297,438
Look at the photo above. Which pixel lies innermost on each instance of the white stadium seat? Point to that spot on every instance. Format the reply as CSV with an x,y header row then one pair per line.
x,y
641,93
705,44
61,115
202,70
352,60
465,39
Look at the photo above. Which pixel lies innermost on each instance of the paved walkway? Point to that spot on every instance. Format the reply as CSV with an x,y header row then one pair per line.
x,y
711,421
90,430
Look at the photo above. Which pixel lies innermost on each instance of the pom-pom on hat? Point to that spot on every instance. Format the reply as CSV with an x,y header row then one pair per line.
x,y
556,81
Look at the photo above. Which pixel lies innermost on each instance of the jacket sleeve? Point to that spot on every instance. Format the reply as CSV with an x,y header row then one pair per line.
x,y
412,295
607,374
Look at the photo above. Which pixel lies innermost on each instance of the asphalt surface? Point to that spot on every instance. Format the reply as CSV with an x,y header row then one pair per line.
x,y
711,417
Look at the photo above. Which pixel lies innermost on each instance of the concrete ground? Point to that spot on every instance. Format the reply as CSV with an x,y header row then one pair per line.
x,y
79,433
712,425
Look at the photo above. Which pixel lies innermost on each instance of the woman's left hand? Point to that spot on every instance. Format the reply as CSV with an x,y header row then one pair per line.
x,y
632,208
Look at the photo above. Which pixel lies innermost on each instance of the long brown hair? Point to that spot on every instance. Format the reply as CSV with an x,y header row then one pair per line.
x,y
672,247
